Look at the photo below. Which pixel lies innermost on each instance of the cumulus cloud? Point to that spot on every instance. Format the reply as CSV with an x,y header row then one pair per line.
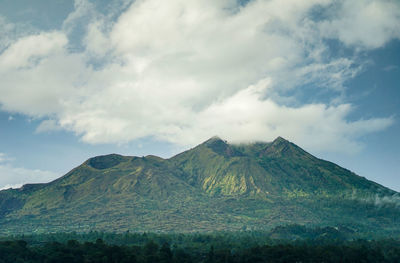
x,y
37,74
364,24
14,177
182,71
246,112
25,51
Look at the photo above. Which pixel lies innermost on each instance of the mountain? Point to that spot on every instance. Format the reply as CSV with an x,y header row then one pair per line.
x,y
214,186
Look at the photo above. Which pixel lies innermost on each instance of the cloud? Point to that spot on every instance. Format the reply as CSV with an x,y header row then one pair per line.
x,y
385,200
37,74
83,10
47,126
380,200
11,32
5,30
3,157
25,52
182,71
364,24
14,177
246,117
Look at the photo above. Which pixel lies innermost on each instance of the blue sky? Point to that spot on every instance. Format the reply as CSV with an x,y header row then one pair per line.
x,y
84,78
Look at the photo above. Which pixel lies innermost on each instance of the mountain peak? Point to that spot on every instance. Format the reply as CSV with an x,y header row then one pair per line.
x,y
214,139
280,139
283,147
221,147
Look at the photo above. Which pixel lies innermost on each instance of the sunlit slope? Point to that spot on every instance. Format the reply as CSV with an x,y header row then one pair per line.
x,y
276,169
214,186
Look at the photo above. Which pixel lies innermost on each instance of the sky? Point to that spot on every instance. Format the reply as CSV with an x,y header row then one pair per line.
x,y
84,78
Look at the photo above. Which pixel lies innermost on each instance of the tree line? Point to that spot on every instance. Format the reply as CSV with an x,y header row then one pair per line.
x,y
152,252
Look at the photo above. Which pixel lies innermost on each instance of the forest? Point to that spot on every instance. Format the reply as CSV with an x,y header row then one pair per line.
x,y
213,247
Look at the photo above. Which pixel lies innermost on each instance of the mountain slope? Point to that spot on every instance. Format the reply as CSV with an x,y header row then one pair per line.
x,y
219,168
272,169
214,186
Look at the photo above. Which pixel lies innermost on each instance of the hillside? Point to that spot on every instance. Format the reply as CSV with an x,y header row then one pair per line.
x,y
214,186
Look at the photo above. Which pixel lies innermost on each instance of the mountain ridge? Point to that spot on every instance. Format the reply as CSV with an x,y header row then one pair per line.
x,y
213,186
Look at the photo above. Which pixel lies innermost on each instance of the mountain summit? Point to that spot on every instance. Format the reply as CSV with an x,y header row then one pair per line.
x,y
214,186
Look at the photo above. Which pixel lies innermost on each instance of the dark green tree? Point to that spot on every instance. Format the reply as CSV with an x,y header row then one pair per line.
x,y
165,253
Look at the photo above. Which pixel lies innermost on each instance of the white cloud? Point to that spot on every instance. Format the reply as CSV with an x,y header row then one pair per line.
x,y
182,71
37,74
83,10
365,24
95,40
10,32
25,52
14,177
48,125
246,116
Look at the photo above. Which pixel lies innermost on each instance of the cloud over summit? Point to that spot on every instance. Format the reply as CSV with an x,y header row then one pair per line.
x,y
183,71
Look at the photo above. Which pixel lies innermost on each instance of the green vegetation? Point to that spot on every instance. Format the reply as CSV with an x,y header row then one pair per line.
x,y
311,245
215,186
